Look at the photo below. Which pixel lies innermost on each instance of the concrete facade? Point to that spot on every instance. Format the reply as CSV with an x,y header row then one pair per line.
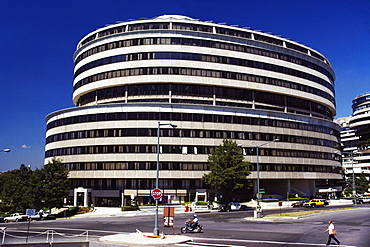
x,y
214,82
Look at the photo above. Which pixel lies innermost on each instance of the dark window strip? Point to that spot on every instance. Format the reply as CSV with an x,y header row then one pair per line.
x,y
202,73
204,43
203,58
163,116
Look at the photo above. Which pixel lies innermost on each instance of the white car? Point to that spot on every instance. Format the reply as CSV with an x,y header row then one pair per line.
x,y
16,217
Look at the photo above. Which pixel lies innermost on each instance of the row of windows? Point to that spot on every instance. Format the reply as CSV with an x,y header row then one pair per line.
x,y
364,119
175,149
134,165
203,43
128,183
193,117
357,108
188,166
203,58
202,73
211,92
197,28
225,103
189,133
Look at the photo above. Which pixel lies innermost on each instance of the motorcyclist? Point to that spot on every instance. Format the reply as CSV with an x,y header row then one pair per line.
x,y
194,221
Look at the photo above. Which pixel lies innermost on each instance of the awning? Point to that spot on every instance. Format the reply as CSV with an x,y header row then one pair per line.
x,y
327,190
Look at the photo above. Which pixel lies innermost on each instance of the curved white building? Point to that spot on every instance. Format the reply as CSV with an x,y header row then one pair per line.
x,y
359,122
213,81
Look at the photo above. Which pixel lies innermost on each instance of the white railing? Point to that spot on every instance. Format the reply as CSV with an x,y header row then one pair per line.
x,y
49,235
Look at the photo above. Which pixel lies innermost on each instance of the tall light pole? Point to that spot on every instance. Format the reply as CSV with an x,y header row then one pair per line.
x,y
7,150
258,208
156,229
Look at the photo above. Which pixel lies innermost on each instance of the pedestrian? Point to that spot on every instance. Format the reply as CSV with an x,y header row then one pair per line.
x,y
332,233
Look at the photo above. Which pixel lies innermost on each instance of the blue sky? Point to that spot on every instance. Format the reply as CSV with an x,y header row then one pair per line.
x,y
38,39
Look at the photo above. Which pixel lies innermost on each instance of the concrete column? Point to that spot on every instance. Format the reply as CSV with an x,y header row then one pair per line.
x,y
75,197
86,202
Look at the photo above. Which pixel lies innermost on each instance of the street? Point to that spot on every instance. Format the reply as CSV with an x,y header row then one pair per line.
x,y
220,228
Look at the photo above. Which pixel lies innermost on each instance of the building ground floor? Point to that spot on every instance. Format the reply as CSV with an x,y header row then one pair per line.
x,y
269,189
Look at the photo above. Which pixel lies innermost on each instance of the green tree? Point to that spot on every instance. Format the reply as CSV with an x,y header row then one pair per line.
x,y
54,187
228,170
15,191
362,184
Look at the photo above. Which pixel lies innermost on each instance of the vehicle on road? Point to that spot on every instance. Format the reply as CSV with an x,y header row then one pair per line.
x,y
232,206
16,217
44,216
299,203
189,228
326,202
362,200
314,203
1,219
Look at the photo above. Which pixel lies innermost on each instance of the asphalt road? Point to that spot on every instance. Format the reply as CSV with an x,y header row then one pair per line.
x,y
220,229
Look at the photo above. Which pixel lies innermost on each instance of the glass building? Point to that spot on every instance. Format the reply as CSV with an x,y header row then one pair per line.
x,y
215,82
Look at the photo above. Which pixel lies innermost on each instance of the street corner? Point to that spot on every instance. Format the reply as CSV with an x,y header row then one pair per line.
x,y
147,239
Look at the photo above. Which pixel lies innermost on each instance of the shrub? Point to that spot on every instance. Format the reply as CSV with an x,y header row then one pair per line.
x,y
296,199
128,208
270,200
202,203
69,212
84,210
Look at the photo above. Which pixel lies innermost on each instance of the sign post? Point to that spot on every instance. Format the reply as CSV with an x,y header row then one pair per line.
x,y
156,194
280,204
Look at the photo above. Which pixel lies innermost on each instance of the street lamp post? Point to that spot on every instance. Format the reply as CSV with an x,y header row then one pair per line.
x,y
156,229
258,208
353,183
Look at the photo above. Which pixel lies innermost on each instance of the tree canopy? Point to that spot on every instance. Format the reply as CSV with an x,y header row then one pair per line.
x,y
42,188
228,170
362,184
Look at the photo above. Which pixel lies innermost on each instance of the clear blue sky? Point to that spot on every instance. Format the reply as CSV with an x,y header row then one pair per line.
x,y
38,39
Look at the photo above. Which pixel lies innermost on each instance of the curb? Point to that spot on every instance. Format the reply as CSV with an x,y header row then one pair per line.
x,y
145,239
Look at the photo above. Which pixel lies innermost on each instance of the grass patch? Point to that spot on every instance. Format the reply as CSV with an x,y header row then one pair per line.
x,y
303,213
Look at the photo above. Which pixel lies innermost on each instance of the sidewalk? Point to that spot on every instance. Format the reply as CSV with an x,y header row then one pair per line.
x,y
287,204
145,239
116,211
180,209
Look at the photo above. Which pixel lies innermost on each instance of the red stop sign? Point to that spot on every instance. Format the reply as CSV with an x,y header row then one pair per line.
x,y
156,193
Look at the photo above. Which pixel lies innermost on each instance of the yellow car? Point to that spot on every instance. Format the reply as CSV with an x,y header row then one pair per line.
x,y
314,203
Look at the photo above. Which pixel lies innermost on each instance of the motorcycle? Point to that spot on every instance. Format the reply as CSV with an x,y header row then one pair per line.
x,y
188,228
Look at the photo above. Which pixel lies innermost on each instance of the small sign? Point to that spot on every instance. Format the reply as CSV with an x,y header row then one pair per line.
x,y
168,217
156,193
30,212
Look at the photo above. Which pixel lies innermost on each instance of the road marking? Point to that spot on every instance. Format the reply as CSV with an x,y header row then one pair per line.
x,y
257,241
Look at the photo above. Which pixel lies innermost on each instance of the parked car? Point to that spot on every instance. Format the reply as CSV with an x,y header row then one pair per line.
x,y
16,217
299,204
362,200
44,216
232,206
314,203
